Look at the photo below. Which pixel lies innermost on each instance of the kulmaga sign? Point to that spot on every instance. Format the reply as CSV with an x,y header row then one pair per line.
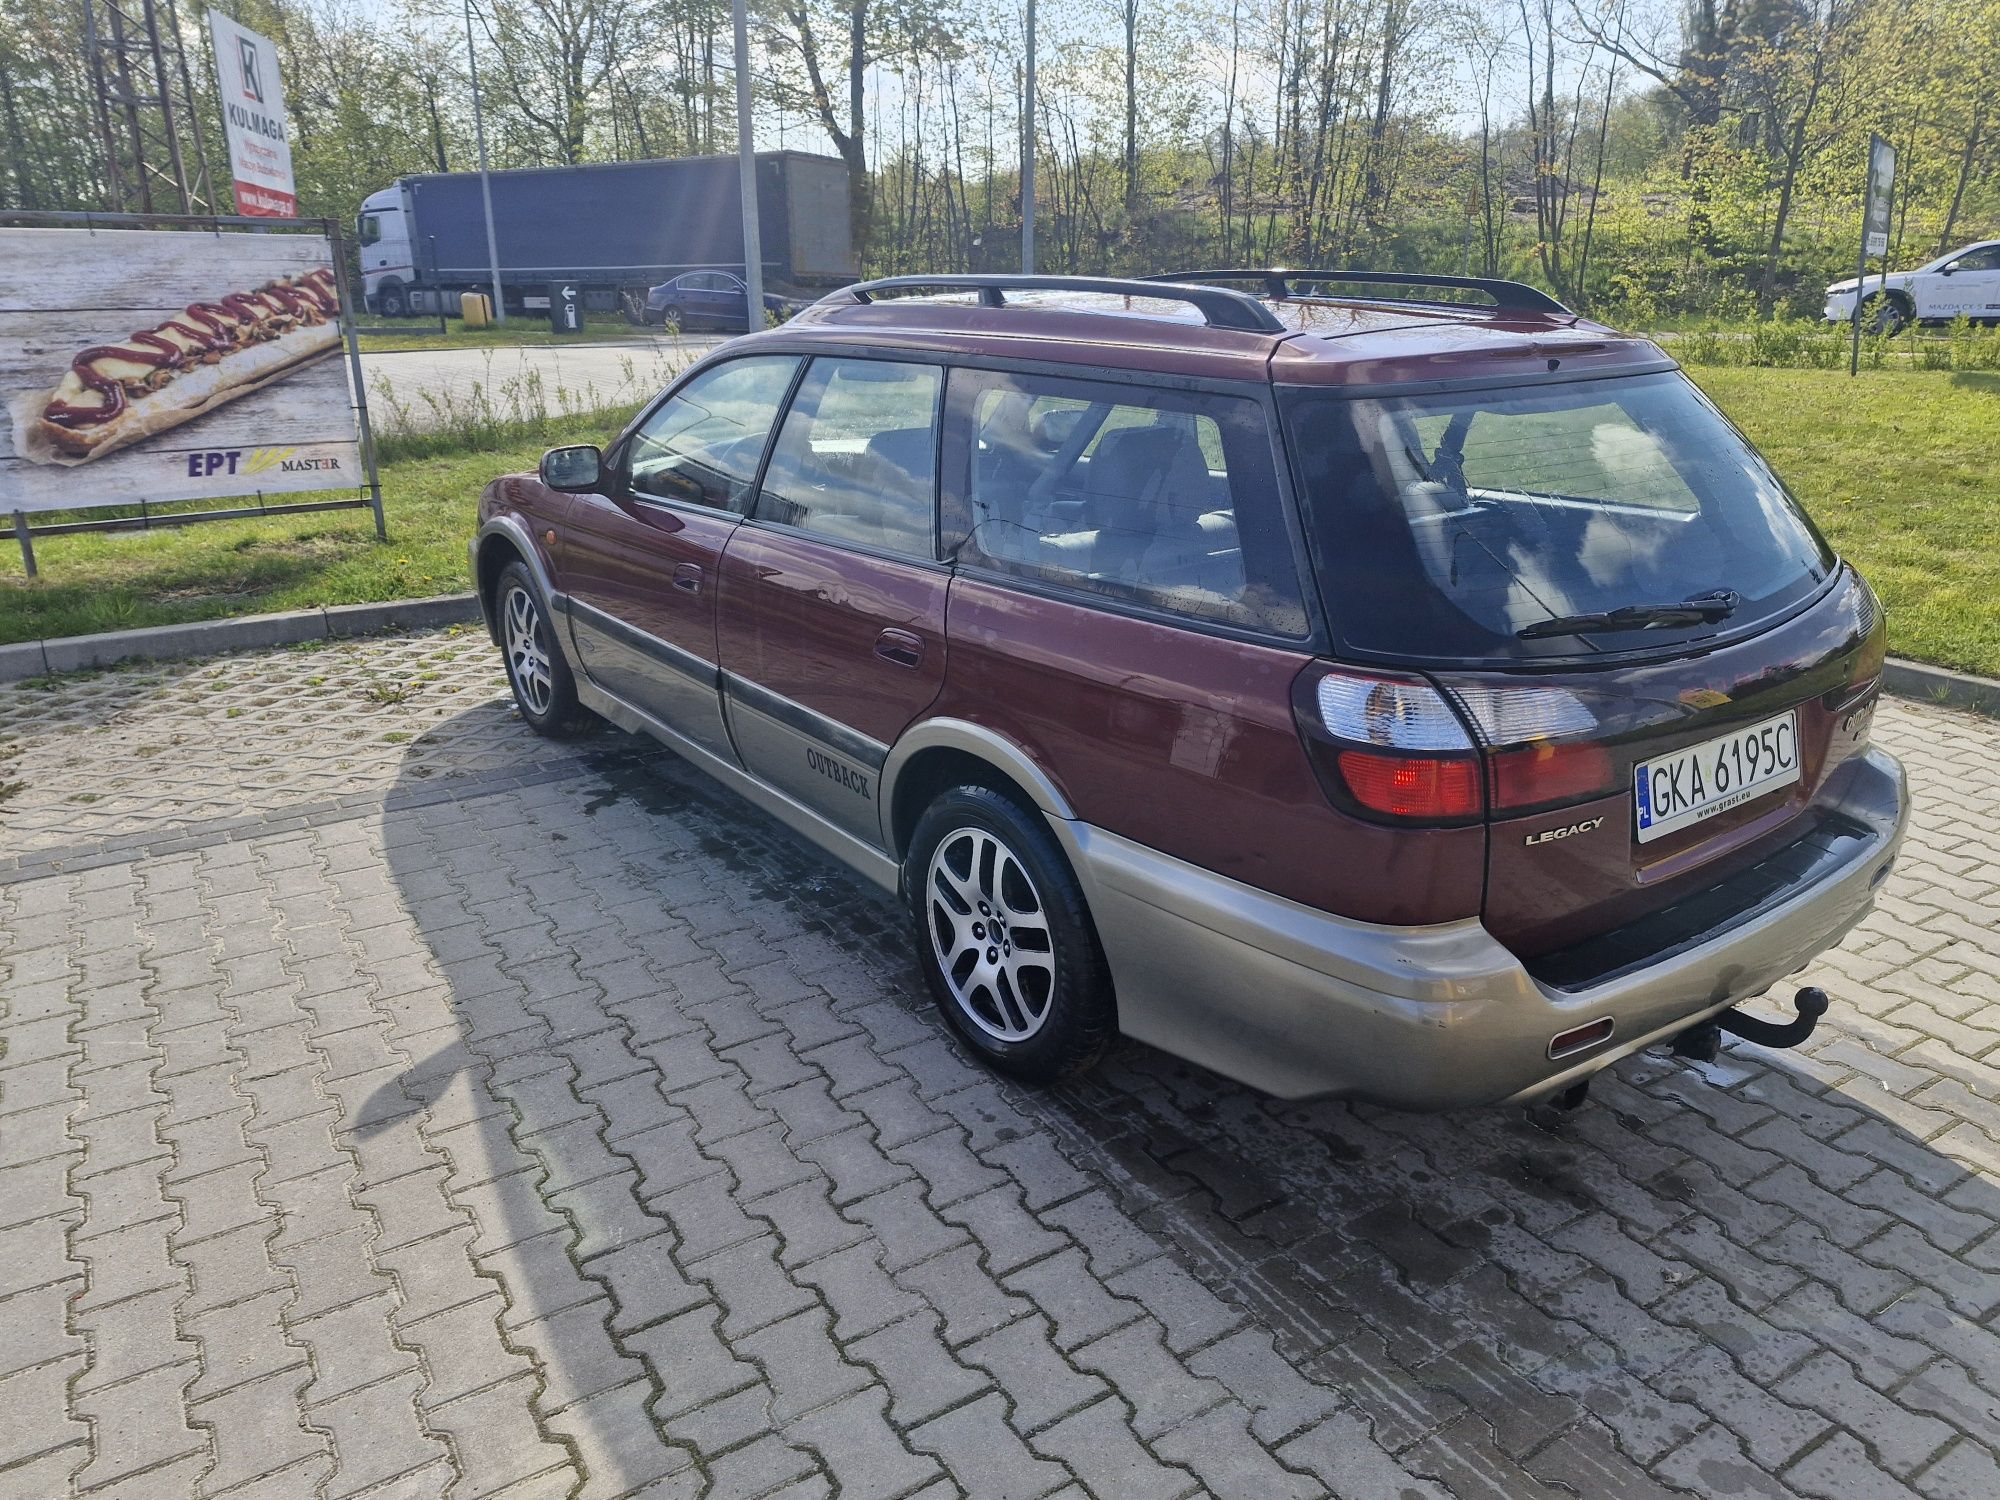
x,y
253,120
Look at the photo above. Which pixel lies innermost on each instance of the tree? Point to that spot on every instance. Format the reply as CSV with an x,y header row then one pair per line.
x,y
805,32
549,61
1802,84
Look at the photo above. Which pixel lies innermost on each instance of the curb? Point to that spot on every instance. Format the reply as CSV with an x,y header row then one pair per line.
x,y
78,653
1928,684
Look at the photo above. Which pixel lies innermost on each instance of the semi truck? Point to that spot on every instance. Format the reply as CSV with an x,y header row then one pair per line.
x,y
609,231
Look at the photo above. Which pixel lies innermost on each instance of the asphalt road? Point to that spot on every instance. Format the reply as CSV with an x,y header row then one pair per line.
x,y
414,388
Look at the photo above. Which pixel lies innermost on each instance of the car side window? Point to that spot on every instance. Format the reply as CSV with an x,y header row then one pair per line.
x,y
702,445
1987,259
856,457
1155,497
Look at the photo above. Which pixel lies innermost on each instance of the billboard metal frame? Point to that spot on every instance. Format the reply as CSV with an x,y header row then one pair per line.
x,y
370,496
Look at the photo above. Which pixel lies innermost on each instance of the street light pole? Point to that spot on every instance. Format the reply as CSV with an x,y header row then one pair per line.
x,y
1028,154
485,179
746,168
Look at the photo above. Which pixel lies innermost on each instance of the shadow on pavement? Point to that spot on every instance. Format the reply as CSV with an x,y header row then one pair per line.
x,y
1708,1277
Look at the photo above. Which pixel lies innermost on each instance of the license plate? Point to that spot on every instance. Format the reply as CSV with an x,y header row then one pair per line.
x,y
1697,783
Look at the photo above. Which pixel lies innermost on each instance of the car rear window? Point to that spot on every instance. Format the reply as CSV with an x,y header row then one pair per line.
x,y
1445,525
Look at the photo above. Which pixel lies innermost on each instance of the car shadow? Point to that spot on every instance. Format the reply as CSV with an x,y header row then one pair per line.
x,y
1985,381
1693,1234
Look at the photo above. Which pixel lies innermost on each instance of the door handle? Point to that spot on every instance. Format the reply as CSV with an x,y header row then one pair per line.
x,y
687,576
901,647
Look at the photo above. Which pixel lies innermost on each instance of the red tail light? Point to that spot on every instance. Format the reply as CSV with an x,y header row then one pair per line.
x,y
1542,774
1395,745
1409,786
1389,746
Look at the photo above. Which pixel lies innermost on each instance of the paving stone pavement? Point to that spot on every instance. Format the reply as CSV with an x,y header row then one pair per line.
x,y
396,1104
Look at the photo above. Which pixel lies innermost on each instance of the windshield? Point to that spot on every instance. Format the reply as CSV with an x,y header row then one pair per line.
x,y
1446,526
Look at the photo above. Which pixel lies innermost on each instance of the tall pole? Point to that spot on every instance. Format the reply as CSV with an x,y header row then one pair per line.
x,y
746,169
1861,276
485,179
1028,154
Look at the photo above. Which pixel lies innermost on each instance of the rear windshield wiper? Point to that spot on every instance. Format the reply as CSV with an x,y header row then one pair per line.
x,y
1704,610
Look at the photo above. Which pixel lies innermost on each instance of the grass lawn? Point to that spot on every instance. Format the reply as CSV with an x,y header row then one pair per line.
x,y
1901,469
422,333
121,580
1898,467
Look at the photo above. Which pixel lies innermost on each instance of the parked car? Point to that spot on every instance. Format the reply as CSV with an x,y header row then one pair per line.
x,y
711,299
1965,282
1414,702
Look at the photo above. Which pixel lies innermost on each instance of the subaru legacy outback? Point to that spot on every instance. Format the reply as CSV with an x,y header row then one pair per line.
x,y
1428,702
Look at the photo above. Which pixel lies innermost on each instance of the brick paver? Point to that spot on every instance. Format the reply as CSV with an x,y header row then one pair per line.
x,y
393,1103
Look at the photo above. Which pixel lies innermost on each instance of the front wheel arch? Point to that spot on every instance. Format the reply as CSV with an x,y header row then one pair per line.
x,y
496,550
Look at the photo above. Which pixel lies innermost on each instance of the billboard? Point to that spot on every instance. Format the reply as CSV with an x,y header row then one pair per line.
x,y
158,364
253,120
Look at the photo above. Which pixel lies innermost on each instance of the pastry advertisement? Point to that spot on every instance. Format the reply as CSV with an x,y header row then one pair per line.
x,y
157,365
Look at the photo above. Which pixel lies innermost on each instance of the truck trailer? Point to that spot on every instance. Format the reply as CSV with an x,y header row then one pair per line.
x,y
612,230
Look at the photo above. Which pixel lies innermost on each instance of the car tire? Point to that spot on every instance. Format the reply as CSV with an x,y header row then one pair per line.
x,y
544,688
392,301
1005,939
1891,317
671,319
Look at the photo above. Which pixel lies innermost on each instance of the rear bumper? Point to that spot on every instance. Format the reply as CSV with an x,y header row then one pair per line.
x,y
1300,1003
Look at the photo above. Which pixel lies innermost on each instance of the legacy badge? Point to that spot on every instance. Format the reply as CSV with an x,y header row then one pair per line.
x,y
1549,834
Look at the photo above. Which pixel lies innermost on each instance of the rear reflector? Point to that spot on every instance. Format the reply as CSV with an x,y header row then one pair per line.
x,y
1412,786
1581,1038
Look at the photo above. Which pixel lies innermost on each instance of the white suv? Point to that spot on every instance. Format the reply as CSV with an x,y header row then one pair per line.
x,y
1965,281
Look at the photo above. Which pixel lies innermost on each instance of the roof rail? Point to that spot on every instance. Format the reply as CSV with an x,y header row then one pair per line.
x,y
1508,296
1219,307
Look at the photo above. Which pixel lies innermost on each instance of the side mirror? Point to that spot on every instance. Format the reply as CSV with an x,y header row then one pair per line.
x,y
1947,270
575,470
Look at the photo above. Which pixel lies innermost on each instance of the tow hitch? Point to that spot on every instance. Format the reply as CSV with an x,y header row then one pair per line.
x,y
1702,1042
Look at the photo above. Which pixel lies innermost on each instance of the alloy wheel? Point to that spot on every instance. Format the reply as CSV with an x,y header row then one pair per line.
x,y
990,933
527,652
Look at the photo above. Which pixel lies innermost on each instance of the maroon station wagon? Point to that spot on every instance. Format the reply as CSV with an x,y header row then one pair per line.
x,y
1427,702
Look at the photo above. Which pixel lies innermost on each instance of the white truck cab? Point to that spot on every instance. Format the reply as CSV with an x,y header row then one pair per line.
x,y
387,266
1967,281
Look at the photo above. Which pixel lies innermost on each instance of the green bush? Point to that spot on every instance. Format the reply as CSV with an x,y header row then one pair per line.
x,y
1786,343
